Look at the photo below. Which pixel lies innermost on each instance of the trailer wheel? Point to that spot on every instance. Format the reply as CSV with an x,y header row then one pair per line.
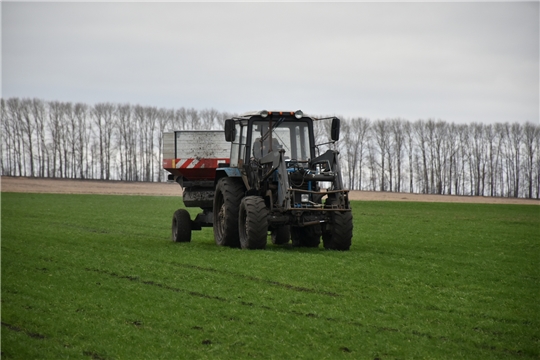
x,y
281,235
309,236
229,193
181,226
253,223
339,236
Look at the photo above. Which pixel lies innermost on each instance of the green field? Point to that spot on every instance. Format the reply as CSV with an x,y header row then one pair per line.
x,y
97,277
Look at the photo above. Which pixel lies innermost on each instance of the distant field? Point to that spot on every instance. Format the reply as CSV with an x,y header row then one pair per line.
x,y
96,277
110,187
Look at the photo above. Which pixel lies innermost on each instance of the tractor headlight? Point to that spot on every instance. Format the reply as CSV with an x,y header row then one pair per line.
x,y
264,113
298,114
304,198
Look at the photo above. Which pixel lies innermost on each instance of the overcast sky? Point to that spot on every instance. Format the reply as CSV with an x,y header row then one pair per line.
x,y
460,62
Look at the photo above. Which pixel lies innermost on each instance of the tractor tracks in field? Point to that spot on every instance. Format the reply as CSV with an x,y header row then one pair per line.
x,y
298,313
257,279
290,312
38,336
156,284
31,334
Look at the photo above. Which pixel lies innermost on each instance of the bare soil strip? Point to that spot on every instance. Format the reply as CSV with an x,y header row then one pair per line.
x,y
111,187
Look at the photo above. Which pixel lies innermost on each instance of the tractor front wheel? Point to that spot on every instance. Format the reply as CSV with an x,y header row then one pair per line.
x,y
253,223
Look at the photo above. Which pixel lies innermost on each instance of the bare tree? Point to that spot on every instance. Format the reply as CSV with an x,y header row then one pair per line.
x,y
373,165
421,136
360,133
461,159
56,128
15,113
477,149
531,135
537,165
381,133
146,118
81,135
127,137
410,148
349,165
69,140
208,117
39,114
165,117
451,153
515,137
27,128
103,115
398,147
6,154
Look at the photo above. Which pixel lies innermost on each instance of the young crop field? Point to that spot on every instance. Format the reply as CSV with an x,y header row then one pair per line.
x,y
97,277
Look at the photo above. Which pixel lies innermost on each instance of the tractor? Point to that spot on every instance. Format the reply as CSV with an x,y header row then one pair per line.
x,y
265,176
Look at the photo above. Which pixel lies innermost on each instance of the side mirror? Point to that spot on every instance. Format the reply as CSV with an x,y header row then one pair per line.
x,y
334,131
230,130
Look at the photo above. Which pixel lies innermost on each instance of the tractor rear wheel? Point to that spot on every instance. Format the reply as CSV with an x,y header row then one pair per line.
x,y
181,226
227,198
253,223
281,235
309,236
339,234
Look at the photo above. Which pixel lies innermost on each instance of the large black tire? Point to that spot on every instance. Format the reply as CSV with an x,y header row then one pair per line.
x,y
281,235
227,198
339,234
181,226
253,223
309,236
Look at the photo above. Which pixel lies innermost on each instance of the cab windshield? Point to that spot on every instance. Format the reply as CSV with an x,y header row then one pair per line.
x,y
291,136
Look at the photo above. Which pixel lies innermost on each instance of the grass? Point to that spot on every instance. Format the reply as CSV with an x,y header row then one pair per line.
x,y
96,277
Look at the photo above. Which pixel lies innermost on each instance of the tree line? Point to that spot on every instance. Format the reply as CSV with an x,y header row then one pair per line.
x,y
123,142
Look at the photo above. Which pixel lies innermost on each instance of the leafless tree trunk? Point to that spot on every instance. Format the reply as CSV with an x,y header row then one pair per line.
x,y
56,128
398,142
531,134
515,138
164,118
126,142
409,146
381,129
422,139
6,155
81,142
103,115
360,129
39,114
27,129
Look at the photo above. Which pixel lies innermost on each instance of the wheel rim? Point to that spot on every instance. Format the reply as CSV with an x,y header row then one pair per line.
x,y
175,229
245,227
221,220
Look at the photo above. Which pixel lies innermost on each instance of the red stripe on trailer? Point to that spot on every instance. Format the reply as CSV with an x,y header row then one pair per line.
x,y
193,168
183,163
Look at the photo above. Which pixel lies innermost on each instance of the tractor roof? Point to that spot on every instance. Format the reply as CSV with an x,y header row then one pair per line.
x,y
264,113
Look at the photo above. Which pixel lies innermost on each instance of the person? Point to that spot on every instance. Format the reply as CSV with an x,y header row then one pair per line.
x,y
265,147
